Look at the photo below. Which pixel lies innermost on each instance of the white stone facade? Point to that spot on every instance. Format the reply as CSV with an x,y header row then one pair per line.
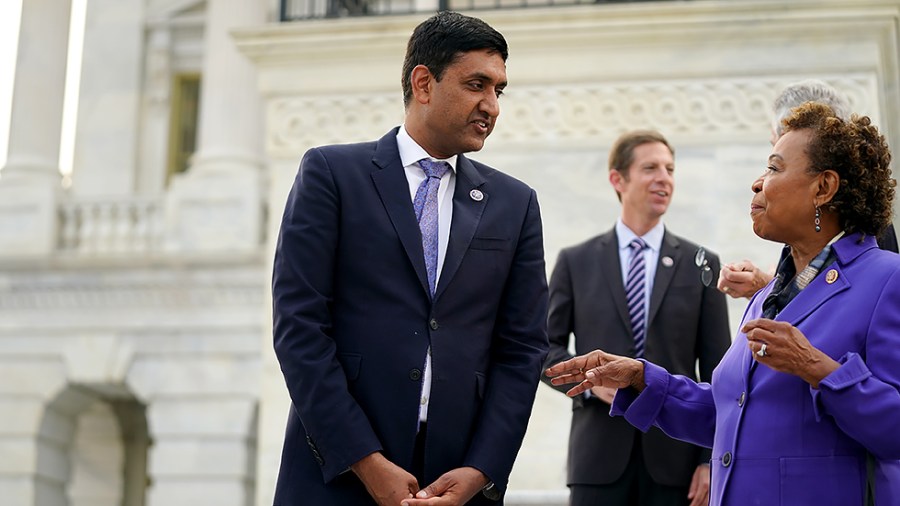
x,y
136,365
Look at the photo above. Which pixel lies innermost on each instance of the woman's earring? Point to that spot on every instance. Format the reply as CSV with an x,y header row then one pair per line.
x,y
818,222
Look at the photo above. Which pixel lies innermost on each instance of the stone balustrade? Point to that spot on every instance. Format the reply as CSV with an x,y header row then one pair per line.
x,y
100,227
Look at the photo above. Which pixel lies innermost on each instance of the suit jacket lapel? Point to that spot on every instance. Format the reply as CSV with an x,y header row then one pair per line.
x,y
847,249
393,189
814,295
467,214
670,247
611,267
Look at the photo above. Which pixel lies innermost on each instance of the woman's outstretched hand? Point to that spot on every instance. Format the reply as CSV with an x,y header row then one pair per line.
x,y
597,369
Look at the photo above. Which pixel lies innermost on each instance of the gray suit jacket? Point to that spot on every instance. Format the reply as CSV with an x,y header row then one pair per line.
x,y
687,323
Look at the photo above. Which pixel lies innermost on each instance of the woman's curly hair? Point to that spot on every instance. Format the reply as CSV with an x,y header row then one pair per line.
x,y
861,157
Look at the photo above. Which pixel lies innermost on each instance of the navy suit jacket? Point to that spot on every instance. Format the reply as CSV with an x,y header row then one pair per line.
x,y
353,319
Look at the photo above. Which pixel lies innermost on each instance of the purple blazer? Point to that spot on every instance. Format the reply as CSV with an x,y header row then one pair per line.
x,y
777,441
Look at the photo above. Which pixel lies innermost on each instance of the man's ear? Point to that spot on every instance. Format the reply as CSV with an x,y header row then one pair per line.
x,y
616,179
829,182
421,80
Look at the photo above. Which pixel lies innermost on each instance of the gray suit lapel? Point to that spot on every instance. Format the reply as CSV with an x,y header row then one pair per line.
x,y
664,274
611,267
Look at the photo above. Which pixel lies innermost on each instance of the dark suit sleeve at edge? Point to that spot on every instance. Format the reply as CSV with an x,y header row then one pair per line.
x,y
518,352
560,320
302,289
888,239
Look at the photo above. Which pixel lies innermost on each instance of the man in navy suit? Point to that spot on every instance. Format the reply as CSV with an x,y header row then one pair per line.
x,y
412,355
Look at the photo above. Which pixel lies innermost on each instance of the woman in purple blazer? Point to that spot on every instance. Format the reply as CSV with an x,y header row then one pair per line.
x,y
809,392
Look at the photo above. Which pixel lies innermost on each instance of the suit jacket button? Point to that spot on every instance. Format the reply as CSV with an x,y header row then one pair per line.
x,y
726,459
741,399
415,374
433,324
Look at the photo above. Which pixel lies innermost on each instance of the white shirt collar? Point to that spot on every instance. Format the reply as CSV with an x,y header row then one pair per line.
x,y
653,237
411,152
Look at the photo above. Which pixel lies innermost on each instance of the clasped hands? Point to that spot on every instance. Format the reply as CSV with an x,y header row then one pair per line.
x,y
597,369
391,485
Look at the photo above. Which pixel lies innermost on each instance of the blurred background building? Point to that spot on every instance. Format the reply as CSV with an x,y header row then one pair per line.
x,y
135,339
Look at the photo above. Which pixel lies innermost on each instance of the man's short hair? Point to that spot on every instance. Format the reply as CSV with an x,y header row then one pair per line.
x,y
439,40
621,155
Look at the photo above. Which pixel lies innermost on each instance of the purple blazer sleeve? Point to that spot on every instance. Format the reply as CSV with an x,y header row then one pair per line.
x,y
681,407
863,395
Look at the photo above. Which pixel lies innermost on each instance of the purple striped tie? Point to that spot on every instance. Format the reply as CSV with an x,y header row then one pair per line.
x,y
426,206
635,290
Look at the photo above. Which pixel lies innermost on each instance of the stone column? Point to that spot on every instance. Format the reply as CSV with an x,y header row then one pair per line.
x,y
30,181
33,436
216,204
202,418
156,107
109,102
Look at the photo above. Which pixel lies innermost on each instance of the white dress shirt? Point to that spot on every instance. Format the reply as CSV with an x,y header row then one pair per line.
x,y
653,238
410,154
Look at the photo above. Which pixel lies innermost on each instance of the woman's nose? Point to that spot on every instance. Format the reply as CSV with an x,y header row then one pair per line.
x,y
757,185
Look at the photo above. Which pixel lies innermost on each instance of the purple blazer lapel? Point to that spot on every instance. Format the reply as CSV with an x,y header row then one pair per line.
x,y
828,283
816,294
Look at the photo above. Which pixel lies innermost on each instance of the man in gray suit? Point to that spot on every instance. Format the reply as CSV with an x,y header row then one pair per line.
x,y
636,291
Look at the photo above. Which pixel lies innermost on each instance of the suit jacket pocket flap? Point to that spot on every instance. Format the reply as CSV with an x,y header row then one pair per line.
x,y
489,243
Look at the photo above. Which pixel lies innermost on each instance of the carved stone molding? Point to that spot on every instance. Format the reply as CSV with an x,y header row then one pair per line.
x,y
143,290
565,113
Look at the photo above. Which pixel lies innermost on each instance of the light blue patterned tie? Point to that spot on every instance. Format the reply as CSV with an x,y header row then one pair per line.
x,y
426,207
635,290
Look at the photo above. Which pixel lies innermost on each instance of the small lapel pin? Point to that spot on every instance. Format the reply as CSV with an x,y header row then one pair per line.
x,y
667,261
831,276
476,195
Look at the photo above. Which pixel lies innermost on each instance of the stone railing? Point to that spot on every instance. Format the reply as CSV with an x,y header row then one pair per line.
x,y
111,226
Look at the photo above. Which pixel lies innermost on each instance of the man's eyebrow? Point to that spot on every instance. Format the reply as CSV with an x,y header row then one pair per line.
x,y
484,77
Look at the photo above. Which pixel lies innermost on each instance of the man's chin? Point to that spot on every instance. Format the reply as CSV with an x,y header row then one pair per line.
x,y
473,146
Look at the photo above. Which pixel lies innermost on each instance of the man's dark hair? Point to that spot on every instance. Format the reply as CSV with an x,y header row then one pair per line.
x,y
439,40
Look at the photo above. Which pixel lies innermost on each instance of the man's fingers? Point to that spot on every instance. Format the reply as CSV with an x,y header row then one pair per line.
x,y
437,487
